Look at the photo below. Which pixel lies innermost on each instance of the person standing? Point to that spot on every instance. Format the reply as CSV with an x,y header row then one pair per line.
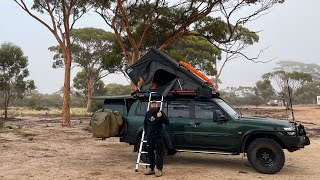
x,y
153,128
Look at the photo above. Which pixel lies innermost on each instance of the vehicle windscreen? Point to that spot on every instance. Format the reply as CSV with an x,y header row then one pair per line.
x,y
228,109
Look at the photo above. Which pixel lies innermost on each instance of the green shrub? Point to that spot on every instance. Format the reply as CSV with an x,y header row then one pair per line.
x,y
1,124
39,108
96,105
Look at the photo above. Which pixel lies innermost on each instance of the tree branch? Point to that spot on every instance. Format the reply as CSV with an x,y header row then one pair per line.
x,y
25,8
127,26
116,32
181,30
52,30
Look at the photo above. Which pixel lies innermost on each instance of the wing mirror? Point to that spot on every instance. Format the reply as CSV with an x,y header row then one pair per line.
x,y
219,117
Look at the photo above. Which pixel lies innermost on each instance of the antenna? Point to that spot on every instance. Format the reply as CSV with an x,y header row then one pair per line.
x,y
290,100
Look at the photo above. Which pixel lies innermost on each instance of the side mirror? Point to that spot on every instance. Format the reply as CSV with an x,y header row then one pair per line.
x,y
218,116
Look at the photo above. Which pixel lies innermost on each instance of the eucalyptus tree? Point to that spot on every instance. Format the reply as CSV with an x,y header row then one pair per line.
x,y
59,17
13,71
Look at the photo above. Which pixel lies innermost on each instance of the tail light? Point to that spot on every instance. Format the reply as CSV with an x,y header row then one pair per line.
x,y
125,127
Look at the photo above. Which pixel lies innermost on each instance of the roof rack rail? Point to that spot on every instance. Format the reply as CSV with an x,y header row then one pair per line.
x,y
184,92
173,94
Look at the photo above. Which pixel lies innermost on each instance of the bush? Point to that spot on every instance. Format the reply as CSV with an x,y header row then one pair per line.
x,y
96,105
32,102
39,108
1,124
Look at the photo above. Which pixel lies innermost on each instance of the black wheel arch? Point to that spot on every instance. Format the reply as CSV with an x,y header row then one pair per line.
x,y
137,137
250,136
139,133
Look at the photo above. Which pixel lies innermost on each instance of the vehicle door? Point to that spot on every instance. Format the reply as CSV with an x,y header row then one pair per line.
x,y
212,128
180,123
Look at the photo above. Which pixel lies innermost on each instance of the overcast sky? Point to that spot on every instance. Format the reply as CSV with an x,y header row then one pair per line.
x,y
291,31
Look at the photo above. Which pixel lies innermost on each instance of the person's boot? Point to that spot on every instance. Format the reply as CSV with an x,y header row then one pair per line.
x,y
159,173
172,151
149,172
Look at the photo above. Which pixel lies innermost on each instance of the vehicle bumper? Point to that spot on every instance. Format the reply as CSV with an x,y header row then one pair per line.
x,y
296,142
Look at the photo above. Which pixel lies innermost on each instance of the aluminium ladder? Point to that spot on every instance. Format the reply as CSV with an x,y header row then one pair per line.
x,y
143,135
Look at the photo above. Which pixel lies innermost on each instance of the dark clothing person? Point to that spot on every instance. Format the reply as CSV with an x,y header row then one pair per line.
x,y
153,124
154,133
155,151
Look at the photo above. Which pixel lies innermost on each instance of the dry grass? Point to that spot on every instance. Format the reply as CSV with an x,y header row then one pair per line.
x,y
1,124
53,111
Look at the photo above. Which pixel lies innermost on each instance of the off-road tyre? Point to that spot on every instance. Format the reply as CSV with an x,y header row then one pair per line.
x,y
266,156
144,157
165,152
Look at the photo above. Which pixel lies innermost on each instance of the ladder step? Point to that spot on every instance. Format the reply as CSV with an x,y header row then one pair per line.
x,y
144,164
141,151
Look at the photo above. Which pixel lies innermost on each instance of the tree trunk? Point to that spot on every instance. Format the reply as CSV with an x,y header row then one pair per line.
x,y
217,83
287,105
217,76
135,56
66,92
134,59
167,43
89,94
6,103
6,112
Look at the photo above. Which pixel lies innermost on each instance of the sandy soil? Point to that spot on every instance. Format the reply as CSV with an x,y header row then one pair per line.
x,y
38,147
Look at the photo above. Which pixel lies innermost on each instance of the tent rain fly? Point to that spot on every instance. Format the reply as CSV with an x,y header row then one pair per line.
x,y
162,74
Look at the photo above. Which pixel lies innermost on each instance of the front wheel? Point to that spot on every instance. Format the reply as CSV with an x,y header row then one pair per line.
x,y
266,156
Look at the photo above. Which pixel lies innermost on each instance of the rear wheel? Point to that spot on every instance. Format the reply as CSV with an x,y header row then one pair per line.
x,y
165,152
144,157
266,156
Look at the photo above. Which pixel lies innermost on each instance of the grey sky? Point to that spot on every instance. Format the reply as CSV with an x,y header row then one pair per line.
x,y
291,30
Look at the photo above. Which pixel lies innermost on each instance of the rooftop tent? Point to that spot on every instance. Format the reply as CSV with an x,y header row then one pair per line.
x,y
163,74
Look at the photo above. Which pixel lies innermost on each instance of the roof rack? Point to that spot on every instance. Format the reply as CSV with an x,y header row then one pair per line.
x,y
172,94
183,92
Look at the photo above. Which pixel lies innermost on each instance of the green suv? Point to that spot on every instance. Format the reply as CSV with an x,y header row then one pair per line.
x,y
210,125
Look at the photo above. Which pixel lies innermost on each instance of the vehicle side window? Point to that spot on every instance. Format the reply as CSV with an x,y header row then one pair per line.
x,y
142,108
179,109
204,110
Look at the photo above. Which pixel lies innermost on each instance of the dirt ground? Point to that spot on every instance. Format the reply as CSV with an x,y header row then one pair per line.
x,y
37,147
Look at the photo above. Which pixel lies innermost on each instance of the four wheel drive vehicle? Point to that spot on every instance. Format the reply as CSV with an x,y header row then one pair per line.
x,y
210,125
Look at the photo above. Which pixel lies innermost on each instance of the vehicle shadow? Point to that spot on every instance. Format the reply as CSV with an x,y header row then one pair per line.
x,y
209,160
197,159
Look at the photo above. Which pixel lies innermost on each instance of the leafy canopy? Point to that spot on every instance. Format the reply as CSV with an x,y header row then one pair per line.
x,y
292,80
13,70
91,48
196,51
